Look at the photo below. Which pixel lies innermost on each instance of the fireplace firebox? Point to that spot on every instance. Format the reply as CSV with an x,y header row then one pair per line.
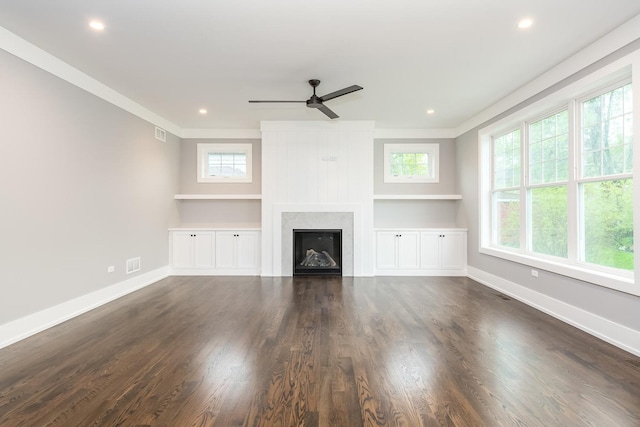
x,y
317,252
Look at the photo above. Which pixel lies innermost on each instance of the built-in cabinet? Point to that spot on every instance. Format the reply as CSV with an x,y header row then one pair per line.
x,y
193,249
201,249
426,252
215,252
443,250
398,250
237,250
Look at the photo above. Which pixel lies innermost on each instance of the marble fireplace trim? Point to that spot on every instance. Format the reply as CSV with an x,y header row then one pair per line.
x,y
287,217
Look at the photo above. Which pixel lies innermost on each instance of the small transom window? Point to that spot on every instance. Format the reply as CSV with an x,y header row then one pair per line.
x,y
406,163
224,163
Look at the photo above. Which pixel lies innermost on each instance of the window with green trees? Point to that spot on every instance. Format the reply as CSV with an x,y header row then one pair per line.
x,y
548,155
506,189
562,183
605,182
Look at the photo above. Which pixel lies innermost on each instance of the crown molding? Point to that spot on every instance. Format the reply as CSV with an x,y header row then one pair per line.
x,y
414,133
622,36
49,63
615,40
221,134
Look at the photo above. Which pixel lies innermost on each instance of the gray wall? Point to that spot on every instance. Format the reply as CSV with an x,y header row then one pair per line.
x,y
189,177
417,213
613,305
447,184
220,213
84,185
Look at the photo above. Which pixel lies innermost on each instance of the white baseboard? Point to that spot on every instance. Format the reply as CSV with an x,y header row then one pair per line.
x,y
214,272
614,333
422,273
24,327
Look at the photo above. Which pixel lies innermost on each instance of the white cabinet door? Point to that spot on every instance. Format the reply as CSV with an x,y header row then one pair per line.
x,y
204,249
430,250
386,250
452,250
237,250
182,248
193,249
397,250
443,250
225,249
247,244
408,250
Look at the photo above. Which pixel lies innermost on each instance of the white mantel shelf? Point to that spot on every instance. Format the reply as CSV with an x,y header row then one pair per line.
x,y
218,196
417,196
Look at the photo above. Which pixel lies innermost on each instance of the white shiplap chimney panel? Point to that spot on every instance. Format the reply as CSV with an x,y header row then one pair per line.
x,y
322,167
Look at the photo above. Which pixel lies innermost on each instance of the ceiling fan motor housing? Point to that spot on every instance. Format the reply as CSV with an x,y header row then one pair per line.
x,y
314,102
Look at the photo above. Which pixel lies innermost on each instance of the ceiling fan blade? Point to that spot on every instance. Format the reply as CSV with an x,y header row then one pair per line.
x,y
340,92
327,111
256,102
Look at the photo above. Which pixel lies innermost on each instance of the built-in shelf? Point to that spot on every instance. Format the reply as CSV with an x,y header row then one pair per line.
x,y
218,196
417,196
216,227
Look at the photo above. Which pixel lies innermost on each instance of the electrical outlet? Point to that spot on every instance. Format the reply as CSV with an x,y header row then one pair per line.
x,y
534,273
111,269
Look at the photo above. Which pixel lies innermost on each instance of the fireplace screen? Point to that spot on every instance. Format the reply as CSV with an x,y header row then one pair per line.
x,y
317,252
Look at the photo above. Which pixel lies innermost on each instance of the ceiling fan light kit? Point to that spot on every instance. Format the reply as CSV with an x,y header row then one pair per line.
x,y
318,101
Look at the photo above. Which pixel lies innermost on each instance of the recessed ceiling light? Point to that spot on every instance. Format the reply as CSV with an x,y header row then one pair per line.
x,y
202,111
431,111
525,23
96,25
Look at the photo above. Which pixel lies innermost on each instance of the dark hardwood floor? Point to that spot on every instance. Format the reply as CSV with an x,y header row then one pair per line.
x,y
240,351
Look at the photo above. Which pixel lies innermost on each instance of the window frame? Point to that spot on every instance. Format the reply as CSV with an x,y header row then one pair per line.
x,y
202,161
431,149
614,75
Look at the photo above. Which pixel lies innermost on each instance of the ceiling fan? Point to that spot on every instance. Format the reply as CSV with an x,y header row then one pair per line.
x,y
318,101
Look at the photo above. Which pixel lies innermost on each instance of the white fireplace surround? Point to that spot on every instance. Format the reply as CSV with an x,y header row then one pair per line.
x,y
287,217
313,168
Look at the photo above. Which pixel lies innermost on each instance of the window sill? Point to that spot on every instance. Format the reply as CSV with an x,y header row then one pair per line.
x,y
417,196
620,282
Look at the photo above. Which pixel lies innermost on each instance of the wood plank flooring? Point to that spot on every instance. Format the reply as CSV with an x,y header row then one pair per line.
x,y
245,351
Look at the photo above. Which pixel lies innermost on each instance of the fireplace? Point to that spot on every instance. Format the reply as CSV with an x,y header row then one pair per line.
x,y
317,252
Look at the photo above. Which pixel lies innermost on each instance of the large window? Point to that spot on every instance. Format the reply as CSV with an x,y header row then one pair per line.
x,y
547,203
558,187
506,189
606,180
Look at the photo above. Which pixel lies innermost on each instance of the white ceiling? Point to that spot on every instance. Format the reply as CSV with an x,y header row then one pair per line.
x,y
175,57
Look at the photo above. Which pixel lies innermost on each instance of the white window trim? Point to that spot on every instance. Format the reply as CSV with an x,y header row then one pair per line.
x,y
628,282
202,162
433,150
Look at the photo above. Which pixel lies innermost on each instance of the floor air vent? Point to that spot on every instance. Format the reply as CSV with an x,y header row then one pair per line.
x,y
133,265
